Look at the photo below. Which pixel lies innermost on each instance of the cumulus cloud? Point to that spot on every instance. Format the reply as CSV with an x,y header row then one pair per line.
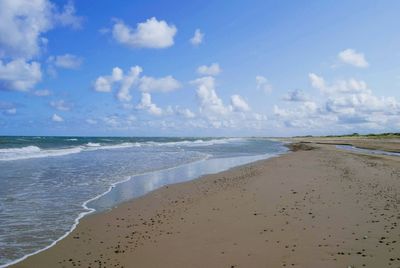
x,y
179,111
119,122
147,105
185,112
317,81
23,23
341,86
57,118
19,75
163,84
295,96
364,103
306,115
239,104
210,103
352,57
60,105
349,104
66,61
152,33
215,114
263,84
125,82
197,38
102,84
212,69
67,17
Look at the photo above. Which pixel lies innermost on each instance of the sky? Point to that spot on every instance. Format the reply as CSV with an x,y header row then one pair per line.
x,y
199,68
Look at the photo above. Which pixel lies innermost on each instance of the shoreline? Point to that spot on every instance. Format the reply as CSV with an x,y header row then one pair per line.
x,y
233,178
91,211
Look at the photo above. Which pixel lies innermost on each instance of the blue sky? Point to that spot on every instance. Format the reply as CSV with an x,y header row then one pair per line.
x,y
199,68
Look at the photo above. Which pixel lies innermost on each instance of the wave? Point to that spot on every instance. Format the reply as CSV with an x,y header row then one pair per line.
x,y
115,146
29,152
93,144
195,143
32,151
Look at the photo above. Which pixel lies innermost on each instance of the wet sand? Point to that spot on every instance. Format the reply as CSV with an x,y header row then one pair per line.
x,y
310,208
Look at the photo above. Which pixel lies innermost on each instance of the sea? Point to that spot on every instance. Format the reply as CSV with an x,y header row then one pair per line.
x,y
48,183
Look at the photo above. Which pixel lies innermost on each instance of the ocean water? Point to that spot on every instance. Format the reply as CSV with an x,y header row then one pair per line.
x,y
48,183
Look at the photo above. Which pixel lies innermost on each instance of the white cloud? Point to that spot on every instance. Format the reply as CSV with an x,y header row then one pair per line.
x,y
239,104
119,122
213,113
259,117
149,34
197,38
68,18
263,84
306,115
117,73
163,84
317,81
23,22
346,104
57,118
210,103
102,84
364,103
341,86
352,57
213,69
147,105
42,93
60,105
125,82
185,112
295,96
19,75
66,61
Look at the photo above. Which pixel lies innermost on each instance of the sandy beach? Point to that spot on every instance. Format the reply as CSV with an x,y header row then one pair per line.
x,y
315,207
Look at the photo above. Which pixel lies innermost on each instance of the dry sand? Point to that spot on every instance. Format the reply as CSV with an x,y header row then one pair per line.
x,y
310,208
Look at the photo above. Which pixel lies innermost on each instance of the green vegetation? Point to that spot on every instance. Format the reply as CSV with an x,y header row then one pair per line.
x,y
371,135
